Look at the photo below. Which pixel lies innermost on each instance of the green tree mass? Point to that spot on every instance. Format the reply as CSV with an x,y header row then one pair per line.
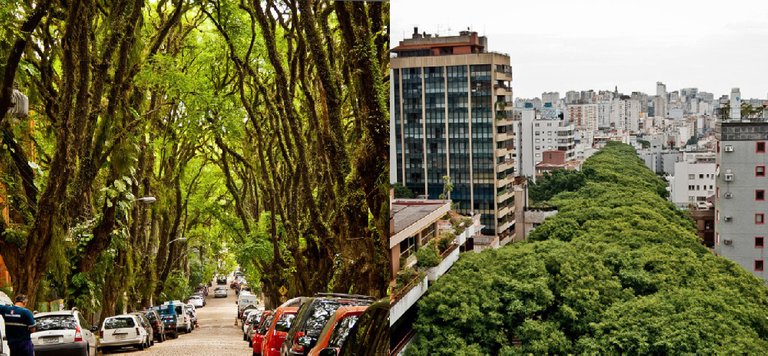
x,y
259,128
619,270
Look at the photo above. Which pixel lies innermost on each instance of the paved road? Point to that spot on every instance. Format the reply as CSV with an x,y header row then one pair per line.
x,y
217,334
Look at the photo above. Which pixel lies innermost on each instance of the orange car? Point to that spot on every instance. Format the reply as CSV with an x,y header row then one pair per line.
x,y
259,331
336,329
278,330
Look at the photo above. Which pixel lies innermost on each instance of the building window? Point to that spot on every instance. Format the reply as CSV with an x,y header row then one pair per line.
x,y
759,241
758,265
760,171
759,218
760,194
691,176
760,147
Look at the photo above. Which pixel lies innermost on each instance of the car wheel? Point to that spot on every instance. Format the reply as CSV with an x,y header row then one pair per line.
x,y
141,346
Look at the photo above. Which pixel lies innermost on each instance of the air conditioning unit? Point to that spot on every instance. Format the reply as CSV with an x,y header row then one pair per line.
x,y
729,177
728,148
727,218
727,242
728,195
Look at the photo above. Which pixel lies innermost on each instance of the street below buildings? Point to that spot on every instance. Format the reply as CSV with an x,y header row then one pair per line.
x,y
216,335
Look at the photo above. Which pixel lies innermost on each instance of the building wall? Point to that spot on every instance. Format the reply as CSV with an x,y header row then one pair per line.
x,y
446,124
735,239
693,182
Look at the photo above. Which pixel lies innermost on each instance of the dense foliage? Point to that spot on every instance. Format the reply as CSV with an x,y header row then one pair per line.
x,y
552,183
259,128
618,270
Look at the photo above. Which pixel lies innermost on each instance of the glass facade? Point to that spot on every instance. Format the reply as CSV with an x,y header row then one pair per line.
x,y
434,115
413,129
457,105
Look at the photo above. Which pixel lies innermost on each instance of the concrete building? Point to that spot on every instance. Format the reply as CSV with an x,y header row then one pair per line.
x,y
740,203
550,98
694,179
452,116
535,135
582,116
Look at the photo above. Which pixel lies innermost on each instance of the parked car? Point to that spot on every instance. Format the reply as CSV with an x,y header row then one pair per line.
x,y
197,301
192,316
220,292
170,320
311,319
261,330
158,327
252,320
123,330
245,301
370,335
234,284
221,280
278,330
183,320
64,332
144,322
337,328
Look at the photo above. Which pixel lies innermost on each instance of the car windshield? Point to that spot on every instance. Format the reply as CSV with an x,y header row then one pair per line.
x,y
151,316
341,330
267,322
56,322
320,315
118,323
167,310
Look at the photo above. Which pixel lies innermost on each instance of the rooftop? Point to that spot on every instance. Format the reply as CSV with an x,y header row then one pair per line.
x,y
407,212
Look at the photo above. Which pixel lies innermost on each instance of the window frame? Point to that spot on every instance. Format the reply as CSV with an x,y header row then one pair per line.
x,y
761,192
762,241
757,147
762,218
758,174
762,266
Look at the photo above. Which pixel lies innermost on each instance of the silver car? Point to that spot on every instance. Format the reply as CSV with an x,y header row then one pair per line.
x,y
64,332
220,292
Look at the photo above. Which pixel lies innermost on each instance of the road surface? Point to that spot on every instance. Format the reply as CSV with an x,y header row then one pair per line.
x,y
217,334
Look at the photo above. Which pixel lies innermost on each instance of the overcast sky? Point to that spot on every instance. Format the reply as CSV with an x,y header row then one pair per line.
x,y
561,45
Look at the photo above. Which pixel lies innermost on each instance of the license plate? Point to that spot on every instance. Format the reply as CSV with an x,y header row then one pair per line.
x,y
51,340
120,336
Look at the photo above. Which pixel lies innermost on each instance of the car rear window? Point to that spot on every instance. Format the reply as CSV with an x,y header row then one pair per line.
x,y
151,316
56,322
118,323
264,325
321,311
341,330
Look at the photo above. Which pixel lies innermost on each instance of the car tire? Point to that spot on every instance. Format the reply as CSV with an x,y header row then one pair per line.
x,y
141,346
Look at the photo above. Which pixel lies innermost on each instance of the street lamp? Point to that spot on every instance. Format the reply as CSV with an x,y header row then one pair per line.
x,y
147,200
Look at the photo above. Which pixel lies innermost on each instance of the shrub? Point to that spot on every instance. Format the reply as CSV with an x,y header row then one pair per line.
x,y
428,256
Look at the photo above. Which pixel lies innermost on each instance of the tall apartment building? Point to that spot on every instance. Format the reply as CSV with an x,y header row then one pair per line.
x,y
535,135
452,116
740,204
582,116
551,99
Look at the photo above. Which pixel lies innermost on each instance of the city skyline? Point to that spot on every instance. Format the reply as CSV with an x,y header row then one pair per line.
x,y
562,47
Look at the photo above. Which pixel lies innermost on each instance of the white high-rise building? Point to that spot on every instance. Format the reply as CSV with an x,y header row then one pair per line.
x,y
536,135
735,104
694,179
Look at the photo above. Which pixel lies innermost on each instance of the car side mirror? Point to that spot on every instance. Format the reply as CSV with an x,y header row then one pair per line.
x,y
328,351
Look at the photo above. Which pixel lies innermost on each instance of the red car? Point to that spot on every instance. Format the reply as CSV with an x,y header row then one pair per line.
x,y
260,330
337,328
278,330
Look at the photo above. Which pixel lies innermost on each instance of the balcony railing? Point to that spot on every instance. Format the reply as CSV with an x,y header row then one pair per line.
x,y
399,306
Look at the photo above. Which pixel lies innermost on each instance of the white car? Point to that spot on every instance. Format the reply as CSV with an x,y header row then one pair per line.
x,y
124,330
183,322
197,301
64,332
220,292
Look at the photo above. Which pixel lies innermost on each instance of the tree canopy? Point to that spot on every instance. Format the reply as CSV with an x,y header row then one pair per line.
x,y
259,128
618,270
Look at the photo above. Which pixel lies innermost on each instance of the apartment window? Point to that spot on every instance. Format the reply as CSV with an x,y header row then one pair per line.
x,y
690,187
758,265
760,147
759,218
701,176
759,242
760,171
760,194
691,176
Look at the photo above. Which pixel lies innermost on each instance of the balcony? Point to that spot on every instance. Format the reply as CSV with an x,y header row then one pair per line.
x,y
503,136
506,180
500,152
501,90
506,165
400,304
504,211
504,195
449,258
